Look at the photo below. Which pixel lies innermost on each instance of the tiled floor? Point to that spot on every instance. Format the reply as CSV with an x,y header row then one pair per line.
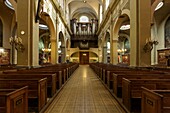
x,y
84,93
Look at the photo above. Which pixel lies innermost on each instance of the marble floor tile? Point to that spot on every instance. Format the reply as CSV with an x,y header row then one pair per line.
x,y
84,93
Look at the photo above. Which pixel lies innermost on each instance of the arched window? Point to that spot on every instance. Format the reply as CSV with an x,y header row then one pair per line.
x,y
84,19
167,33
101,13
107,3
1,33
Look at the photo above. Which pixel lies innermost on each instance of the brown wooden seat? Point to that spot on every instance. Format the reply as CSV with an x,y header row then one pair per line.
x,y
117,79
155,101
37,91
58,75
14,100
51,79
132,92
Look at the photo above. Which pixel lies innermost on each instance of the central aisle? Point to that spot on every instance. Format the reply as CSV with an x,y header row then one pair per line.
x,y
84,93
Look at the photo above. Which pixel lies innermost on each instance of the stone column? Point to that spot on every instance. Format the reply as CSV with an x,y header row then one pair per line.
x,y
100,54
113,43
140,32
113,50
93,26
54,51
74,24
79,28
105,54
28,31
63,54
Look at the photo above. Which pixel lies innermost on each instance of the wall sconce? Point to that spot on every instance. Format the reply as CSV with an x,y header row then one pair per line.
x,y
17,42
149,46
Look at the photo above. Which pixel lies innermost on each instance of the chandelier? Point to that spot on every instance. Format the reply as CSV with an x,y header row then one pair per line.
x,y
17,42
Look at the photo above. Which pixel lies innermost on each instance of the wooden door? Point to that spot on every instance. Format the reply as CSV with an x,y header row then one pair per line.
x,y
84,57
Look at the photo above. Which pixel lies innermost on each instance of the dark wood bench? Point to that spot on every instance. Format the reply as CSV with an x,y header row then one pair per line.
x,y
109,73
37,91
155,101
51,79
59,81
116,82
131,90
14,100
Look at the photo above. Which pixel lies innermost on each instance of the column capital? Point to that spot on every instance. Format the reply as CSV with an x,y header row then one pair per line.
x,y
115,40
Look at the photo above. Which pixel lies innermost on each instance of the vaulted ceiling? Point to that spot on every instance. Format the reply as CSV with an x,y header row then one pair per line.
x,y
162,12
83,7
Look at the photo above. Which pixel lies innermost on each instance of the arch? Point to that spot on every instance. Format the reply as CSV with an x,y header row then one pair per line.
x,y
123,19
90,7
83,11
67,43
126,12
124,35
61,38
95,54
106,38
49,34
153,6
48,20
75,54
93,57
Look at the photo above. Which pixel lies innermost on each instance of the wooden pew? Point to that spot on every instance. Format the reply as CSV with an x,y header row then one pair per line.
x,y
37,91
58,75
117,80
14,100
131,90
155,101
109,73
51,79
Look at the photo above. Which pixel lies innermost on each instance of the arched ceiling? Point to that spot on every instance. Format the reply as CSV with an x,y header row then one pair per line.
x,y
162,12
79,7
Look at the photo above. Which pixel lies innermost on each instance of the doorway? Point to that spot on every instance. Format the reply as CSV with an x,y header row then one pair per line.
x,y
84,58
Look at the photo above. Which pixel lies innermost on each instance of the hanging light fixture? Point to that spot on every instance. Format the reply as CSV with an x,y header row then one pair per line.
x,y
125,27
42,26
8,4
159,5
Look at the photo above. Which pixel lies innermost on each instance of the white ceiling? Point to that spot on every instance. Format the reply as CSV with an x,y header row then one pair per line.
x,y
78,7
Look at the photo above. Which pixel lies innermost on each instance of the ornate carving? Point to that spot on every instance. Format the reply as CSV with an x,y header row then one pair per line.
x,y
149,46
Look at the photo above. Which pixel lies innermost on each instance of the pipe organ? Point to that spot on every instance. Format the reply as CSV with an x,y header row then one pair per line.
x,y
84,32
84,28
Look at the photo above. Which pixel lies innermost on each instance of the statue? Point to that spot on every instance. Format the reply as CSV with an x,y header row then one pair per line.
x,y
149,46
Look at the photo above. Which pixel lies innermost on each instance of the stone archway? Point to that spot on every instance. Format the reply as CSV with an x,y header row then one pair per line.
x,y
48,37
121,29
62,48
106,48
